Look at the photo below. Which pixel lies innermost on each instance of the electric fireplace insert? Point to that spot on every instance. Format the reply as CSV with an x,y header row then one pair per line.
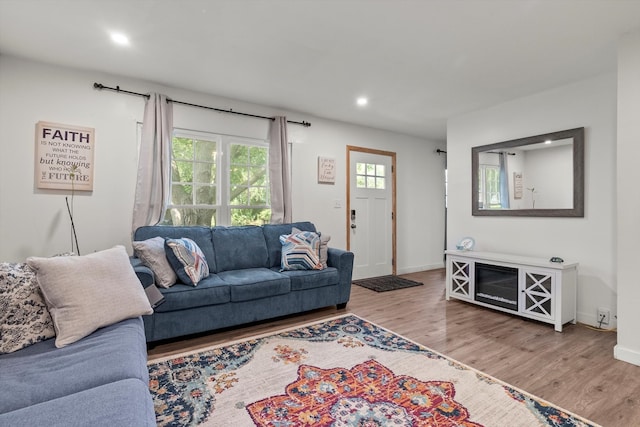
x,y
496,285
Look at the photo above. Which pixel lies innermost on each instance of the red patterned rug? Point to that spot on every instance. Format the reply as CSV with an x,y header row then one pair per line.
x,y
339,372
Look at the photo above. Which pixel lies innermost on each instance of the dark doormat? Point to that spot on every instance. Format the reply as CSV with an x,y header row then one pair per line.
x,y
386,283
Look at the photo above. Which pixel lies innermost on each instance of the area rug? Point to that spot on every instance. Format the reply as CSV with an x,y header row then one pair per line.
x,y
340,372
386,283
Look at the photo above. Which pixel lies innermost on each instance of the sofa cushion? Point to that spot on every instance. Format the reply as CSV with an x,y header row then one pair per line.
x,y
152,254
43,372
210,291
187,260
84,293
24,317
272,233
238,248
255,283
200,235
121,403
308,279
300,251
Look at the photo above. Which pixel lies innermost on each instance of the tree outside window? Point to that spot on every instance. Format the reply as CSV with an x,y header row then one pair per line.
x,y
249,185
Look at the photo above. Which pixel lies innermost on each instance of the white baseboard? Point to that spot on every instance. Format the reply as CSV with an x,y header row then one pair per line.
x,y
626,355
407,270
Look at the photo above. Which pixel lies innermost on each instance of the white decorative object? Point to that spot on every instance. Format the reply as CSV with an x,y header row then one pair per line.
x,y
466,244
326,170
546,291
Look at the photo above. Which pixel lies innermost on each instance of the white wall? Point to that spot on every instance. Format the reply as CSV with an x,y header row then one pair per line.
x,y
550,172
34,222
589,240
628,230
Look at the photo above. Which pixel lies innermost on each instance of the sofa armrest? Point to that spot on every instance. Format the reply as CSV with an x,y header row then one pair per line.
x,y
144,273
343,261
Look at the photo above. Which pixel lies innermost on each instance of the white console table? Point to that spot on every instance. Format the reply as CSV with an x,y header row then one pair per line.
x,y
546,291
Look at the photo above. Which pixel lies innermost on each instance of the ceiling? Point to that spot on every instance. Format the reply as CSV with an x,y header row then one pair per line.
x,y
418,62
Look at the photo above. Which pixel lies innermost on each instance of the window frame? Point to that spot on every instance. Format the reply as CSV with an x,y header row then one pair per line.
x,y
222,207
484,193
375,176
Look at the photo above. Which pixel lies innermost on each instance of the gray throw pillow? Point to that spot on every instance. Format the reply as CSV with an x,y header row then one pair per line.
x,y
152,254
24,318
324,249
84,293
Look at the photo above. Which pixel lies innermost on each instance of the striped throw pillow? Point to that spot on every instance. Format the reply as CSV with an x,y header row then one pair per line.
x,y
300,251
187,260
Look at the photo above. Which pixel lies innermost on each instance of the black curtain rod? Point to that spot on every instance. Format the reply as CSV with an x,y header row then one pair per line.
x,y
100,86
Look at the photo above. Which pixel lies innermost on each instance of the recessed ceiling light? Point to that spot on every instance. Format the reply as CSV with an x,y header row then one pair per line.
x,y
119,38
548,141
362,101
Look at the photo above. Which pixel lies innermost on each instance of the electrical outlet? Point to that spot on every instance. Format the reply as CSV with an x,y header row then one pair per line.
x,y
604,316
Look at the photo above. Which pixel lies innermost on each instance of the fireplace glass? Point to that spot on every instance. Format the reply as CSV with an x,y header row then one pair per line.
x,y
497,285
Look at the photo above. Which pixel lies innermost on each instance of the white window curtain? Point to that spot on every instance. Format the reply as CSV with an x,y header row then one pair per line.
x,y
279,176
154,162
504,180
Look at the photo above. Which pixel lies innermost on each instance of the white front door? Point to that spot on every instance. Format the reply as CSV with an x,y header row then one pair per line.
x,y
370,213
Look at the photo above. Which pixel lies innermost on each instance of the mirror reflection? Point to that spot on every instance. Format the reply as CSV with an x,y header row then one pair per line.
x,y
535,176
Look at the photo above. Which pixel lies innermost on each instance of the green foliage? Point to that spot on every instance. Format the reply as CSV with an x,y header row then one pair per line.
x,y
250,216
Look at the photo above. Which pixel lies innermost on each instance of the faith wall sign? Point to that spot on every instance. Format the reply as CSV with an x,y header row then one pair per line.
x,y
64,157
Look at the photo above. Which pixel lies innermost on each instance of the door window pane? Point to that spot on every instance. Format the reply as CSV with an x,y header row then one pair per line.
x,y
370,175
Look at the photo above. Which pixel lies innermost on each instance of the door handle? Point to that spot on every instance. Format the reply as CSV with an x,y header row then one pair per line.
x,y
353,226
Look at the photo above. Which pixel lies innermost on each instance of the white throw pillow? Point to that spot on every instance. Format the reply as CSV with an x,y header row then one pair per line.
x,y
88,292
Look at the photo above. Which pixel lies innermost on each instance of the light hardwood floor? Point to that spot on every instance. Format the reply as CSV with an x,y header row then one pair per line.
x,y
574,369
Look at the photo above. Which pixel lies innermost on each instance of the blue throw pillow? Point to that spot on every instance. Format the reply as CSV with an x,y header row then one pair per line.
x,y
300,251
187,260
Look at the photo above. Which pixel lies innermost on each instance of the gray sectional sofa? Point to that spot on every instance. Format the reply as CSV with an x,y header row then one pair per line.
x,y
100,380
245,283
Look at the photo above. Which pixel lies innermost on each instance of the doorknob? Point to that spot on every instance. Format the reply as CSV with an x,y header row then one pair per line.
x,y
353,226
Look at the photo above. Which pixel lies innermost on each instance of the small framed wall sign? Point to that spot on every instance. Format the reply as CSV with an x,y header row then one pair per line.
x,y
64,157
517,185
326,170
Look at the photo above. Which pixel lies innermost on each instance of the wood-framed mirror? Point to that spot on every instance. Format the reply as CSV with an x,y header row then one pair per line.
x,y
541,175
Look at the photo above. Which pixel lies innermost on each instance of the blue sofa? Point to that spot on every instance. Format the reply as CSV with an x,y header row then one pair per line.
x,y
245,282
100,380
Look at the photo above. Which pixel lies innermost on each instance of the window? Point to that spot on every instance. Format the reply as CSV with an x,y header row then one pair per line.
x,y
249,184
369,175
489,186
209,188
